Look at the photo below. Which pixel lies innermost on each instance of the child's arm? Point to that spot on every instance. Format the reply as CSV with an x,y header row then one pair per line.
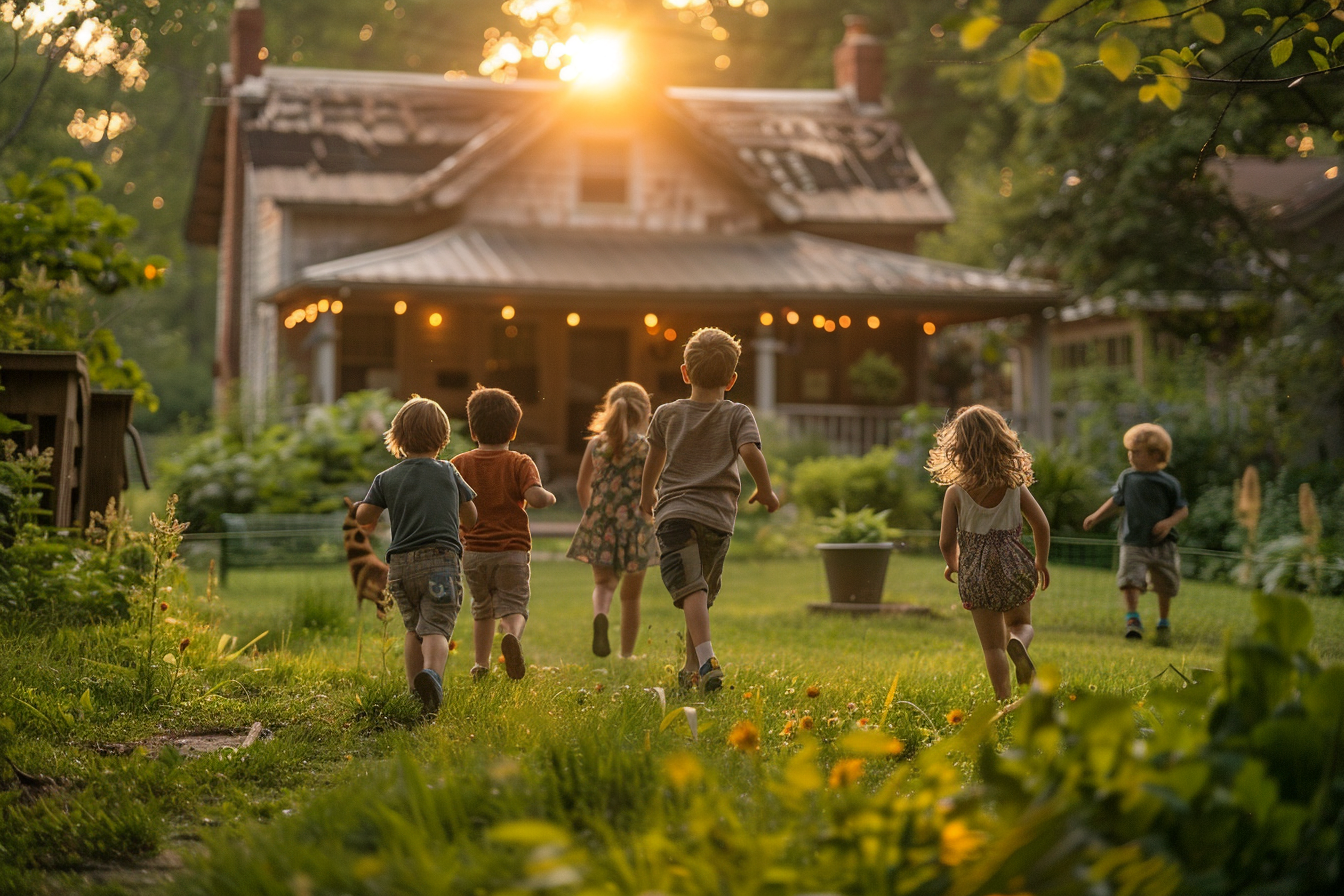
x,y
653,468
585,484
466,515
760,473
1040,533
538,497
947,535
1162,527
367,515
1104,512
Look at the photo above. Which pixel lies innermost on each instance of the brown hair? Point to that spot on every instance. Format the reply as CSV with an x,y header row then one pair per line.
x,y
1151,437
711,357
976,450
419,427
492,415
625,406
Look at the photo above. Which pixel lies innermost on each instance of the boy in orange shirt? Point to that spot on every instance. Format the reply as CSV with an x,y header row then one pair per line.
x,y
496,553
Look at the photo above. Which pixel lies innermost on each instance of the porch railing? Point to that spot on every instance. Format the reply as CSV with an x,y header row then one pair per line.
x,y
847,429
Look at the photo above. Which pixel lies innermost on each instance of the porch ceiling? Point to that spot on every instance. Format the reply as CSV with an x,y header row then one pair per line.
x,y
756,266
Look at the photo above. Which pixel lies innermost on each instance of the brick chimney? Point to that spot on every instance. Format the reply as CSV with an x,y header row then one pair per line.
x,y
859,63
245,37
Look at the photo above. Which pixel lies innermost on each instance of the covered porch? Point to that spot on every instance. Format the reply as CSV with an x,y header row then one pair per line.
x,y
557,316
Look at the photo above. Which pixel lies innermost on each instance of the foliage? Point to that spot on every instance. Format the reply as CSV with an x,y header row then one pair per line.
x,y
862,526
305,467
1067,487
21,487
876,480
61,242
876,379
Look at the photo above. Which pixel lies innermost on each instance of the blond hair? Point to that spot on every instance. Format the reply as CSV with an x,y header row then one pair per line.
x,y
624,407
419,427
977,450
711,357
1150,437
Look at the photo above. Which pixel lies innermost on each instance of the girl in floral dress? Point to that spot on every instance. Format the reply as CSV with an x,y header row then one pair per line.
x,y
613,537
987,473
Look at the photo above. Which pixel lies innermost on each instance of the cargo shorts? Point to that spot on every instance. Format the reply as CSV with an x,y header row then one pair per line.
x,y
500,583
426,583
1158,567
692,558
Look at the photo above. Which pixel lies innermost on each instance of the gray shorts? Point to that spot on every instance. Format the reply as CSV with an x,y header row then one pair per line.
x,y
500,583
426,583
1158,567
692,558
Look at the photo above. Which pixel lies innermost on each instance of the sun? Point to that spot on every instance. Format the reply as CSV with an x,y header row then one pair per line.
x,y
596,60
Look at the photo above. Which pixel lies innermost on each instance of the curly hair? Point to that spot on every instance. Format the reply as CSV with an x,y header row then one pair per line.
x,y
625,406
1150,437
977,450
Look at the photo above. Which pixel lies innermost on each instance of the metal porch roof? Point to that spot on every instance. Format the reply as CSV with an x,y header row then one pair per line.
x,y
692,265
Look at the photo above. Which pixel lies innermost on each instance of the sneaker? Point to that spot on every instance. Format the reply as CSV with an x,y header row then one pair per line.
x,y
601,646
711,676
688,679
1017,652
1162,636
1133,628
429,688
513,656
480,673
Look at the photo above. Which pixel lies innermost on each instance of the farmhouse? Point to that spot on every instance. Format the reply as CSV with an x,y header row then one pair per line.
x,y
421,234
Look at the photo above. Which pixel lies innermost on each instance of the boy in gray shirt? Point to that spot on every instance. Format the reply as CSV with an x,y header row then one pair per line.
x,y
694,444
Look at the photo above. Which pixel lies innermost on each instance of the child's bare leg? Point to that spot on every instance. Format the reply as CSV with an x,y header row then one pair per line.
x,y
604,587
434,650
1163,606
1019,624
989,625
415,659
631,589
513,624
1131,598
482,639
691,664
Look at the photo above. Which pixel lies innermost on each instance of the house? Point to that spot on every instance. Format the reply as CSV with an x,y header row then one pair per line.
x,y
424,234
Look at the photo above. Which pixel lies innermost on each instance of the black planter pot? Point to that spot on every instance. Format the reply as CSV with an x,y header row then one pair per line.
x,y
855,573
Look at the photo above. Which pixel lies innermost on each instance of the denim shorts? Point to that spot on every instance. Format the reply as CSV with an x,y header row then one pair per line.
x,y
500,583
426,583
692,558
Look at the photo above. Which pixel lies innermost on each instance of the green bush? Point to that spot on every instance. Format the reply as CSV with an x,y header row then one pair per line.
x,y
876,379
876,480
1066,487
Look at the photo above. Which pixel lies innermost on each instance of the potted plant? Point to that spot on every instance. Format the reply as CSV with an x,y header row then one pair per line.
x,y
856,554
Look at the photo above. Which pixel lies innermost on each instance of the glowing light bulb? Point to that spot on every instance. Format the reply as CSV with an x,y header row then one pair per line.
x,y
670,334
507,312
829,326
844,321
818,320
323,306
650,320
873,323
435,319
930,328
767,318
289,323
310,313
791,317
572,319
337,306
399,308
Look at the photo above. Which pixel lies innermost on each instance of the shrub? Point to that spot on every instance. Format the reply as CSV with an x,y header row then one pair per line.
x,y
875,480
876,379
1066,487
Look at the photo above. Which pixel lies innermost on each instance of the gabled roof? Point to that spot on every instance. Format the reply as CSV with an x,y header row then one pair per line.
x,y
1292,193
328,136
688,266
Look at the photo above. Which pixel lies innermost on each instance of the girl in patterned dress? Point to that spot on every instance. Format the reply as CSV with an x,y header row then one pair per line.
x,y
613,537
986,471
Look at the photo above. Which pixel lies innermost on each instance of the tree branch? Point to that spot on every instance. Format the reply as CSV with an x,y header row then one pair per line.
x,y
53,59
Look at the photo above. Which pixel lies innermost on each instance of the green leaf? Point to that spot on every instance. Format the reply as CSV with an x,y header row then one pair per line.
x,y
1033,32
1321,62
1324,698
1210,27
86,701
1119,54
978,30
1323,43
1255,11
1339,39
1057,9
1107,26
1285,621
1149,13
1044,76
1281,52
528,832
1010,79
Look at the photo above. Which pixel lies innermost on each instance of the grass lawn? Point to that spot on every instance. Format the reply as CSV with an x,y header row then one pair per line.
x,y
580,742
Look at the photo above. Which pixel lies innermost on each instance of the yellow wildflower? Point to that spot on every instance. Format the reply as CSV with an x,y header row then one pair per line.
x,y
806,723
955,717
813,691
958,843
845,772
682,770
745,737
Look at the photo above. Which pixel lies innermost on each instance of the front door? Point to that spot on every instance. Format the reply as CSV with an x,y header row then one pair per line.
x,y
598,359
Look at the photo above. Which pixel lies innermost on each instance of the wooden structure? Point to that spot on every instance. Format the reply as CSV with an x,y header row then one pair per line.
x,y
403,231
86,430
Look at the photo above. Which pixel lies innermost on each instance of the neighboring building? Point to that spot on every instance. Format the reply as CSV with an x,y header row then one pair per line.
x,y
418,234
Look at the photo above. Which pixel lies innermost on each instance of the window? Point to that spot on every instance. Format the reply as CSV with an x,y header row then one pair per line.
x,y
1073,355
604,171
513,361
1119,351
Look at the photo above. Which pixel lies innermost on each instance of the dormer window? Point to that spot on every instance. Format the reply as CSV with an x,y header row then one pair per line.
x,y
604,171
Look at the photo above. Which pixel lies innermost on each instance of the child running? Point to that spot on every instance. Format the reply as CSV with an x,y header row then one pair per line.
x,y
694,445
428,502
496,563
1152,505
986,471
612,535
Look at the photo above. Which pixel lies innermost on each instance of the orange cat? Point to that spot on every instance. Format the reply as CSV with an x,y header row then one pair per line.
x,y
368,572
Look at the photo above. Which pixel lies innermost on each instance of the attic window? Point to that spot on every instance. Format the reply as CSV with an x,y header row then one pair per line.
x,y
604,171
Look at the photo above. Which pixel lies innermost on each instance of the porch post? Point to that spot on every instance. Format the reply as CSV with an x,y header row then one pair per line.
x,y
1041,411
766,347
323,340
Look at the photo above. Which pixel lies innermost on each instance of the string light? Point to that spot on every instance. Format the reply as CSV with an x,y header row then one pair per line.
x,y
572,319
507,312
791,316
399,308
310,313
873,322
818,320
930,328
323,306
650,320
289,323
844,321
670,334
767,318
337,306
830,326
435,319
